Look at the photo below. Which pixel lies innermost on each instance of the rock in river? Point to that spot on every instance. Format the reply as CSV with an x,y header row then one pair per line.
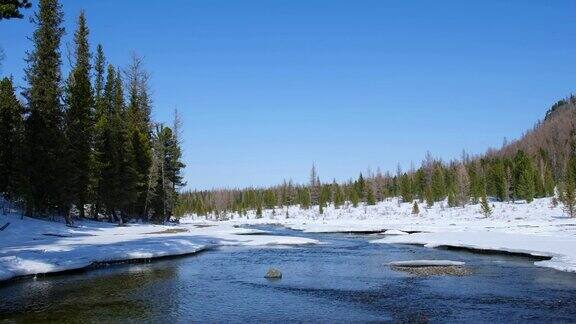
x,y
273,274
431,267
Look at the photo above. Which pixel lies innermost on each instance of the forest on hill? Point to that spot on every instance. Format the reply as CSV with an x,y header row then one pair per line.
x,y
83,145
542,163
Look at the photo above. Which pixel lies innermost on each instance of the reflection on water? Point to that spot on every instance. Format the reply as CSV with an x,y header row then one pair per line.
x,y
344,280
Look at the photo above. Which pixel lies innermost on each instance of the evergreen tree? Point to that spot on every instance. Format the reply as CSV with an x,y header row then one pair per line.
x,y
438,184
452,202
360,187
486,210
354,198
11,8
406,188
567,191
45,138
338,195
138,115
415,208
79,120
567,195
100,120
12,159
524,185
304,198
370,200
165,175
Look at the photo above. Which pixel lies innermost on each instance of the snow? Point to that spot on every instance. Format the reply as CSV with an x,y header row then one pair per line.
x,y
32,246
426,263
535,228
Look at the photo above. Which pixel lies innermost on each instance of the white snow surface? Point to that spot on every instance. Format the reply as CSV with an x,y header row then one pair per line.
x,y
535,228
31,246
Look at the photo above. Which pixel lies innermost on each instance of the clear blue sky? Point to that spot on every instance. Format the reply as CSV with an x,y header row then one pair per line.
x,y
268,87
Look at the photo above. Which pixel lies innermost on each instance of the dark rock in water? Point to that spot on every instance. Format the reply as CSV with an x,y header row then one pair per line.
x,y
273,274
432,267
435,270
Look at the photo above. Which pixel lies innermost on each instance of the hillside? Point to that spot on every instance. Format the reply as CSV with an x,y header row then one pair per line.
x,y
533,166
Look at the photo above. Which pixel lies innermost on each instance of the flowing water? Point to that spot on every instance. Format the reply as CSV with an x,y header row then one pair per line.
x,y
346,279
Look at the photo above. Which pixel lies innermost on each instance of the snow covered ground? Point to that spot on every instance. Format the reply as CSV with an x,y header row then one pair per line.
x,y
536,228
32,246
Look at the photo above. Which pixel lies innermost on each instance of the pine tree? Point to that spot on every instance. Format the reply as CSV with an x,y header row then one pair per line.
x,y
165,175
11,8
140,130
338,195
79,120
45,138
438,184
524,185
100,120
117,176
259,211
360,187
354,198
406,188
452,202
304,198
415,208
486,210
370,200
12,158
567,195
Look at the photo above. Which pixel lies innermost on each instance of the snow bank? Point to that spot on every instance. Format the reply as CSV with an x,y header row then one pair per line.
x,y
561,250
32,246
538,228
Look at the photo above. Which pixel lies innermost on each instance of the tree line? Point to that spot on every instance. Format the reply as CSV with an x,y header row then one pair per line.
x,y
84,144
541,164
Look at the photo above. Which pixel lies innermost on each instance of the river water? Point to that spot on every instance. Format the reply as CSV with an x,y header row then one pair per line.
x,y
346,279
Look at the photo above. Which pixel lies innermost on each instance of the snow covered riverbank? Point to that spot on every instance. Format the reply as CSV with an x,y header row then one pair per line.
x,y
32,246
538,228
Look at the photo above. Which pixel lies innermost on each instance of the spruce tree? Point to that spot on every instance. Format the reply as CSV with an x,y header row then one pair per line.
x,y
45,138
370,199
140,130
100,120
165,175
79,120
11,8
128,169
338,195
354,197
438,184
524,184
429,196
415,208
406,188
12,158
452,202
485,206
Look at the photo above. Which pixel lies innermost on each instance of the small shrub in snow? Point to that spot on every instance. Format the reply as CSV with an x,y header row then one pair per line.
x,y
415,208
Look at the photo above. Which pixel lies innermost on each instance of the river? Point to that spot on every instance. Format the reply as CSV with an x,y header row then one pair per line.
x,y
342,280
